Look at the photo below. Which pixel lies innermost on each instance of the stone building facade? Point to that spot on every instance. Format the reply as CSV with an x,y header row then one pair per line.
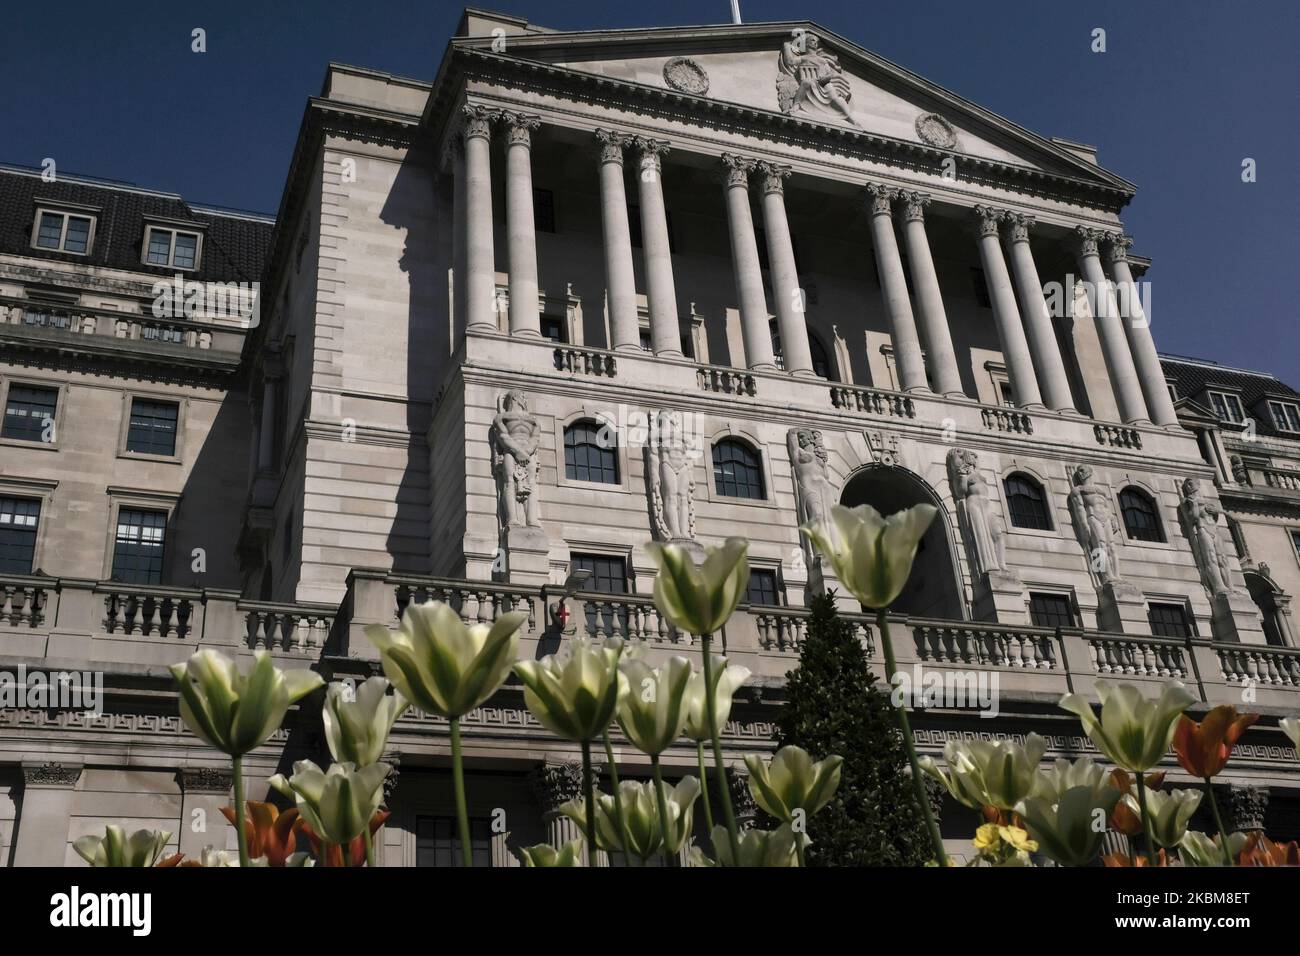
x,y
590,289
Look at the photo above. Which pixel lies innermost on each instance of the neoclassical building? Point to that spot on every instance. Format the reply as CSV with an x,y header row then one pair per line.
x,y
592,289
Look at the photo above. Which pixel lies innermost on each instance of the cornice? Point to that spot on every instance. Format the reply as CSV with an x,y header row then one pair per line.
x,y
662,103
82,354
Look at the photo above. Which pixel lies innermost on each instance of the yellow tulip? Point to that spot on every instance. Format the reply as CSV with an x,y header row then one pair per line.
x,y
792,782
336,804
652,703
726,681
357,729
983,773
543,854
1135,733
115,848
871,555
574,698
698,600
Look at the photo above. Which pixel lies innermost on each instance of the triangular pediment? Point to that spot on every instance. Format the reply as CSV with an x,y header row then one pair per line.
x,y
804,72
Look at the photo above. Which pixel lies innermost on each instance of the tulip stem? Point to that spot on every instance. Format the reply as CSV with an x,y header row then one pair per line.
x,y
589,791
662,805
1218,820
618,800
918,784
370,847
704,779
458,782
240,810
1147,842
711,715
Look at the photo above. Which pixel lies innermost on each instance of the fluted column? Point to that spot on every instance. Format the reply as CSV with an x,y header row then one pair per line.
x,y
939,352
521,230
754,323
1038,322
789,298
1011,334
893,288
480,260
665,333
1114,344
620,281
459,272
1151,375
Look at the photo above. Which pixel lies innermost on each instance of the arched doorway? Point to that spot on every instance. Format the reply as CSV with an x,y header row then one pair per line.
x,y
1265,593
934,589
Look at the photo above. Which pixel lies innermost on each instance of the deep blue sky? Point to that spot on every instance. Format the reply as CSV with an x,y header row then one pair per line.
x,y
1184,92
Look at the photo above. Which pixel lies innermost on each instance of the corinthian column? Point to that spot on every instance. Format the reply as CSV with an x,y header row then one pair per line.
x,y
1114,344
1015,349
554,784
1151,375
893,287
620,284
788,295
754,325
480,261
1038,323
521,231
929,301
459,272
665,333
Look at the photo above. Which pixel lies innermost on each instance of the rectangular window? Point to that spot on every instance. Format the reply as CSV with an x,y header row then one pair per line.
x,y
152,430
63,232
1005,395
644,338
762,588
1286,417
437,842
553,328
544,210
981,287
138,546
1295,542
1227,407
18,520
608,574
171,247
1169,620
1050,610
29,413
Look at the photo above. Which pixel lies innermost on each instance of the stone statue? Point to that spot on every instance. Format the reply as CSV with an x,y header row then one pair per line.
x,y
1200,521
515,437
811,80
983,532
814,491
671,473
1095,526
1240,474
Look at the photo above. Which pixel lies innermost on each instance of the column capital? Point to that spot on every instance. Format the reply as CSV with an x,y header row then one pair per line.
x,y
913,204
1087,239
734,170
205,779
988,219
49,773
650,151
519,127
879,198
477,121
1117,246
774,176
555,783
610,145
1018,226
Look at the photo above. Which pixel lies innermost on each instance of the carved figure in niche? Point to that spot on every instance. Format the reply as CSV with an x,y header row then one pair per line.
x,y
672,478
1200,521
811,80
814,491
515,437
1095,526
984,533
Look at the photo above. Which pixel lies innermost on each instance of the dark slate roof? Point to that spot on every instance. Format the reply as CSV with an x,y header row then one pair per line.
x,y
235,244
1192,377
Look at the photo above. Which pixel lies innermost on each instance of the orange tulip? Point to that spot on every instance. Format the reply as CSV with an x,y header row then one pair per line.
x,y
170,861
1124,818
331,854
1120,859
1261,851
271,832
1203,749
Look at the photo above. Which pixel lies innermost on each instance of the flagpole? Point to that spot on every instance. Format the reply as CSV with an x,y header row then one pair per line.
x,y
735,11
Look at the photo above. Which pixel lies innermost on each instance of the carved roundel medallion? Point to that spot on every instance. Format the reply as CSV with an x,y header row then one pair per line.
x,y
934,130
686,76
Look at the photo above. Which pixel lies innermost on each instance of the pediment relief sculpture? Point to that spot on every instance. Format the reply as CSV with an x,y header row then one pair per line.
x,y
811,80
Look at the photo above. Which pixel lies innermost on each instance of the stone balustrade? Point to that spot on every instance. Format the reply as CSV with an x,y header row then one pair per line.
x,y
1281,479
1117,436
110,329
729,381
872,401
22,601
584,361
999,419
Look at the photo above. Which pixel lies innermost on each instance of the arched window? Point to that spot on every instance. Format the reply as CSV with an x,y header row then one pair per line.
x,y
589,453
1027,502
1141,519
737,470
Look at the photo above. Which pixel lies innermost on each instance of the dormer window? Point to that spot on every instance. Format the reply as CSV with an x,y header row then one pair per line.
x,y
175,248
1227,407
1286,416
59,231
